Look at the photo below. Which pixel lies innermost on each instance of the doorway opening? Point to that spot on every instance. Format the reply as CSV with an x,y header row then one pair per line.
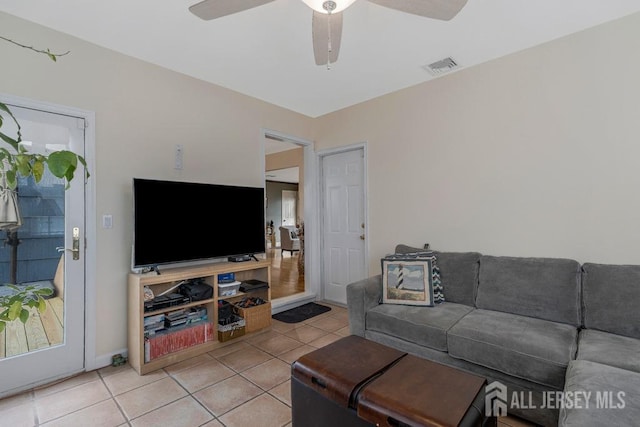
x,y
51,343
285,217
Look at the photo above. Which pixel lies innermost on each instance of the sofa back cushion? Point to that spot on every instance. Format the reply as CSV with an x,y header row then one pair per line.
x,y
611,294
458,273
544,288
459,276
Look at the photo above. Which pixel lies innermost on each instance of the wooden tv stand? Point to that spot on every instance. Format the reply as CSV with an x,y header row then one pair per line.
x,y
260,270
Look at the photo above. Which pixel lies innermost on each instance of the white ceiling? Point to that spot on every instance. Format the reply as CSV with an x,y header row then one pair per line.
x,y
266,52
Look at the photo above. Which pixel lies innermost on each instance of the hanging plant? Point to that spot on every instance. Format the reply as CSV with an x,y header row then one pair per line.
x,y
16,161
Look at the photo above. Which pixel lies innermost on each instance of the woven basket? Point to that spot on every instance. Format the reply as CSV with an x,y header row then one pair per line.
x,y
256,317
232,330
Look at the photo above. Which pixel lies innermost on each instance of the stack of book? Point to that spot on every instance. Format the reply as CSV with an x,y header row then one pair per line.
x,y
196,314
175,318
153,324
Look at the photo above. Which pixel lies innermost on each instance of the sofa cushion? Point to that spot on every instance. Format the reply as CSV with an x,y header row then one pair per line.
x,y
611,294
426,326
604,381
532,349
458,273
609,349
544,288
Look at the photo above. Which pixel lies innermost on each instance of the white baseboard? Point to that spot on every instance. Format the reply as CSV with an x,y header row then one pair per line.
x,y
285,303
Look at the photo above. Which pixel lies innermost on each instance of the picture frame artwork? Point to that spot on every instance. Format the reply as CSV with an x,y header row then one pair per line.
x,y
407,282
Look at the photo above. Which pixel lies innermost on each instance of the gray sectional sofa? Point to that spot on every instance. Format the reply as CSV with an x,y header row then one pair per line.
x,y
539,326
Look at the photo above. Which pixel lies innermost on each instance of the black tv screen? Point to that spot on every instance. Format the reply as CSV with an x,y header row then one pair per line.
x,y
185,221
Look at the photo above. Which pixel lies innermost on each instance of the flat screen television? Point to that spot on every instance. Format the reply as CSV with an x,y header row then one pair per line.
x,y
176,222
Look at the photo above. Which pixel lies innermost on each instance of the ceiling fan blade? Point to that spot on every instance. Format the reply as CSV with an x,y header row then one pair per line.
x,y
321,24
436,9
212,9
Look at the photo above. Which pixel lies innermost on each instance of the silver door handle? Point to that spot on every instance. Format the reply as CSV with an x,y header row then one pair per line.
x,y
75,250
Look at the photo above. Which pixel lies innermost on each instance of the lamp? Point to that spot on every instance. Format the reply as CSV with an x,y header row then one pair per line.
x,y
326,7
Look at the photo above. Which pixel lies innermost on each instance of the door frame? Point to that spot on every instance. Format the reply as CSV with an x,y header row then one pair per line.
x,y
311,256
320,212
90,362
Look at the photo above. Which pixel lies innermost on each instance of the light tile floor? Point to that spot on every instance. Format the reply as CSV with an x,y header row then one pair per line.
x,y
245,383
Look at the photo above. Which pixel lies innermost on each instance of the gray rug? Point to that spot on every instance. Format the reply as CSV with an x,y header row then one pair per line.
x,y
302,313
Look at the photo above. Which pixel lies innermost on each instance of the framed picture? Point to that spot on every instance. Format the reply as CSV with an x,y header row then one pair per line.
x,y
407,281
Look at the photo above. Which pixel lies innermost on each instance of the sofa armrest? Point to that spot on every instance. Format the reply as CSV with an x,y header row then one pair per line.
x,y
362,296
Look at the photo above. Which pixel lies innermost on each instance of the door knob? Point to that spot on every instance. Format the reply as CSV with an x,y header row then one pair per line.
x,y
76,243
75,250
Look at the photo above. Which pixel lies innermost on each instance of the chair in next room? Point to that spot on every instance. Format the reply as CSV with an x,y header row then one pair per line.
x,y
289,240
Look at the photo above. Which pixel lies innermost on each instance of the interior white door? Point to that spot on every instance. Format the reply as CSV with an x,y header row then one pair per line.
x,y
289,207
63,353
343,228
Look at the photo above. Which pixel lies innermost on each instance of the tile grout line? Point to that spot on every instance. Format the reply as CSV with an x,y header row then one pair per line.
x,y
252,344
113,398
191,395
32,400
38,423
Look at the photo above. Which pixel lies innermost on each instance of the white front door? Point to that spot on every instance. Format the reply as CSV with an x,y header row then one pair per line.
x,y
343,226
49,345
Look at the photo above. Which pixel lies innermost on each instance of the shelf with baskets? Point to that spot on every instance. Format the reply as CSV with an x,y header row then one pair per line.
x,y
192,326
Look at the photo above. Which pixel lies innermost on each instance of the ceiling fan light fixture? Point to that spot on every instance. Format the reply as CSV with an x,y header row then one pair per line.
x,y
335,7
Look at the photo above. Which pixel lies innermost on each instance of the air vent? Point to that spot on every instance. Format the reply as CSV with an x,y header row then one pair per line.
x,y
441,67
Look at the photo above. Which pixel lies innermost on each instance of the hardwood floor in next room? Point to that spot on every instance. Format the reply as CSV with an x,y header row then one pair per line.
x,y
286,279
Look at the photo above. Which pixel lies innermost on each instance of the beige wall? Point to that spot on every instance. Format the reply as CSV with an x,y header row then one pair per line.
x,y
534,154
142,112
290,159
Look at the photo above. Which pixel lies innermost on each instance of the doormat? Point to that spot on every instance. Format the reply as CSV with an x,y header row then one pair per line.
x,y
302,313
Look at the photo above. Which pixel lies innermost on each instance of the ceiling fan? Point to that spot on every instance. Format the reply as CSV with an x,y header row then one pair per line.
x,y
327,17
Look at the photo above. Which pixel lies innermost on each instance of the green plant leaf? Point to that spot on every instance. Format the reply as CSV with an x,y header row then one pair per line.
x,y
12,181
23,163
60,162
15,298
2,326
84,163
24,315
44,291
12,142
42,305
69,175
38,170
3,107
14,310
